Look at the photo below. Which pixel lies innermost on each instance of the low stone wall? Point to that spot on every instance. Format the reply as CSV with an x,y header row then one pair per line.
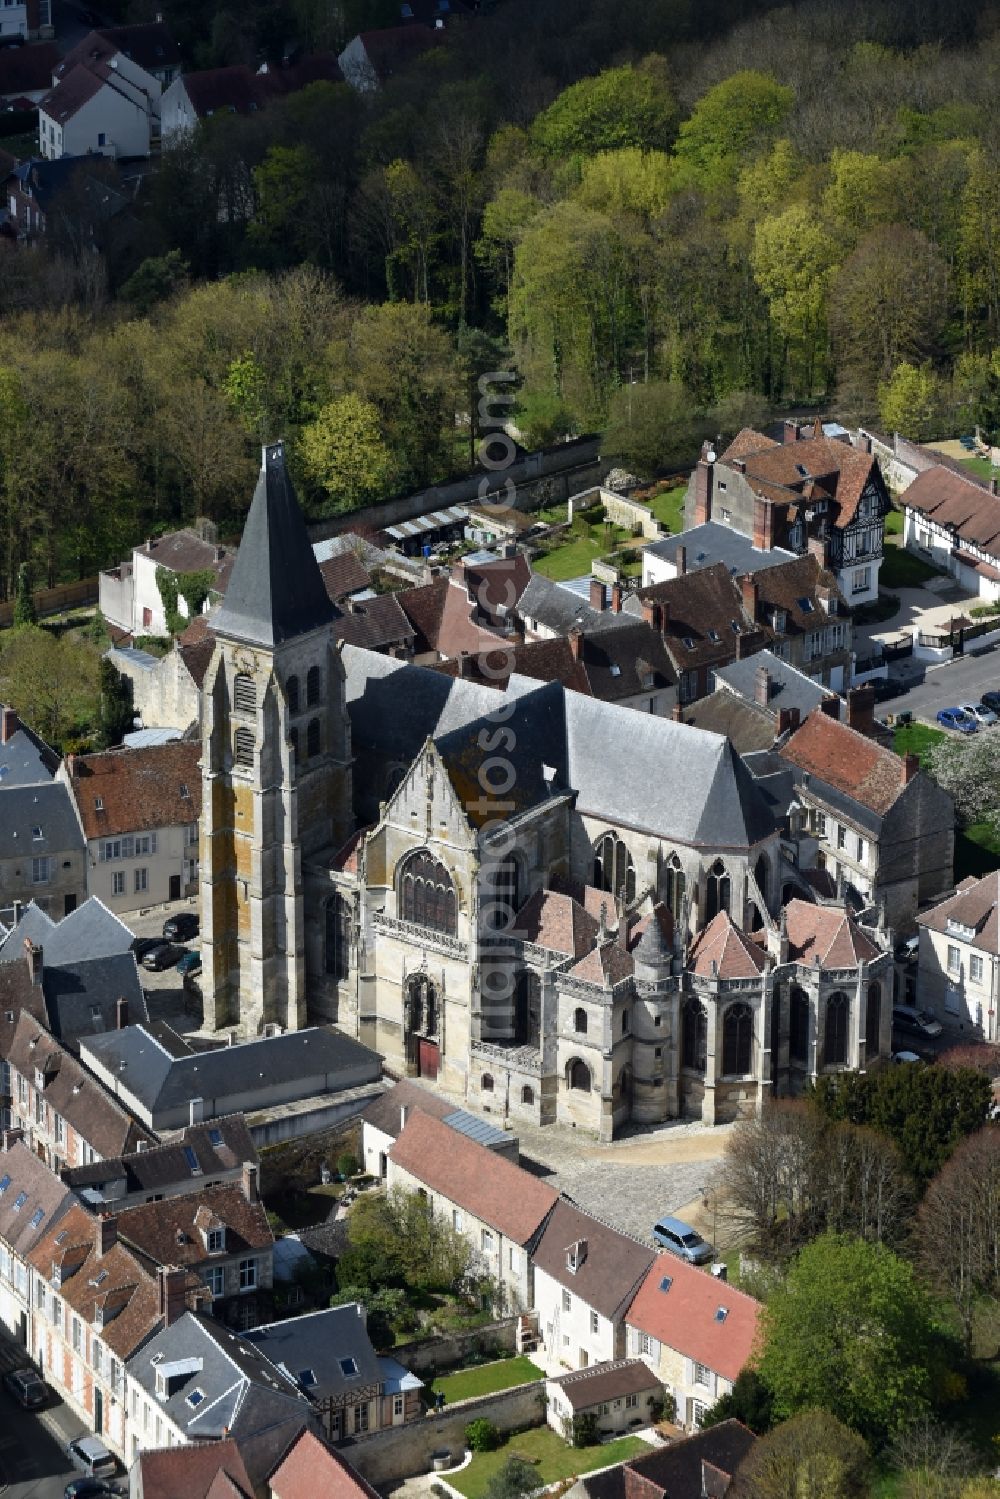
x,y
450,1350
388,1457
305,1117
620,510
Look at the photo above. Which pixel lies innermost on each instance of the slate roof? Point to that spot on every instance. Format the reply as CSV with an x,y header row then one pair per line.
x,y
703,608
848,761
827,933
45,805
169,1232
697,1467
161,1080
964,507
374,623
610,1265
193,1470
722,950
612,665
685,1317
747,727
559,608
310,1467
276,590
81,999
70,1090
27,70
221,1146
316,1343
789,687
974,906
91,931
585,1388
25,758
489,1187
138,789
45,1201
35,926
712,542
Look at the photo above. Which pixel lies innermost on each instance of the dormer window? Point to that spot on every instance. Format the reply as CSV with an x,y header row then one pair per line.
x,y
37,834
216,1239
39,1079
959,929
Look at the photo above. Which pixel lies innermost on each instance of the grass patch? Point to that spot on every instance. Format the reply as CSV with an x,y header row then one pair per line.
x,y
977,850
570,561
553,1459
887,1486
917,739
894,522
486,1379
667,506
981,467
901,569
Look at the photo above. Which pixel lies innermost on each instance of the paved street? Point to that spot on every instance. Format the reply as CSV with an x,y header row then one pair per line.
x,y
165,992
923,689
33,1463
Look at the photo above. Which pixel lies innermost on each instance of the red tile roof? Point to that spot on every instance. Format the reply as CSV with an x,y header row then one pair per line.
x,y
139,789
310,1469
192,1470
170,1232
558,922
492,1189
833,469
606,965
685,1317
846,760
722,951
827,933
702,605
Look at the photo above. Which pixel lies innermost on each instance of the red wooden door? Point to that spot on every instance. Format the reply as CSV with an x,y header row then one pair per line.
x,y
428,1056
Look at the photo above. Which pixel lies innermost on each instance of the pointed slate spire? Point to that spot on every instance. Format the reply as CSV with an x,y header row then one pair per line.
x,y
276,590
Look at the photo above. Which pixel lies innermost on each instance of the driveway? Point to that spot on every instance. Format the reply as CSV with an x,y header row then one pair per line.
x,y
929,606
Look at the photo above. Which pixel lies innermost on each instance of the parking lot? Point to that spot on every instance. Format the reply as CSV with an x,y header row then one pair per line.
x,y
166,995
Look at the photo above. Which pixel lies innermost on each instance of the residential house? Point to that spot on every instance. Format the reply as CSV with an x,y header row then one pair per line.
x,y
220,1234
198,96
90,931
811,494
468,611
32,1201
166,690
26,18
55,1105
129,594
373,57
25,758
310,1467
329,1355
66,194
694,1331
105,95
196,1381
958,962
585,1276
25,72
202,1470
547,610
704,624
874,821
166,1084
498,1208
704,546
42,849
378,622
952,520
701,1466
386,1116
203,1154
93,1306
145,48
139,811
611,1398
759,700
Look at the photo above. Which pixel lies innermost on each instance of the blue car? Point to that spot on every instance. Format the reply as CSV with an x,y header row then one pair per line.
x,y
954,718
679,1238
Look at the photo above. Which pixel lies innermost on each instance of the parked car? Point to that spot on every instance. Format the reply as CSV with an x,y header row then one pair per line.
x,y
983,715
190,963
87,1488
92,1457
992,700
27,1387
909,1018
165,955
182,927
142,945
680,1238
955,718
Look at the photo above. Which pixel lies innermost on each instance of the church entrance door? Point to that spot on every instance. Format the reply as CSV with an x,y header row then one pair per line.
x,y
428,1056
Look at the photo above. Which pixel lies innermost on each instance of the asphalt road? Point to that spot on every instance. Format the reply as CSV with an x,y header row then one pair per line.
x,y
923,690
33,1462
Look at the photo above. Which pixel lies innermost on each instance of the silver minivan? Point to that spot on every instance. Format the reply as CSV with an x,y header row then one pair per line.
x,y
90,1456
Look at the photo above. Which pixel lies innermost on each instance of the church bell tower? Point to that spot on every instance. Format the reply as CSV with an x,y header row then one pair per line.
x,y
276,764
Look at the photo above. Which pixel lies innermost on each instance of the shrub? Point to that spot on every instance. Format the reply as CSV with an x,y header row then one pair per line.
x,y
482,1436
347,1164
585,1433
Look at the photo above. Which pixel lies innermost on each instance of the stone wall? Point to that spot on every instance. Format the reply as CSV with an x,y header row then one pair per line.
x,y
620,510
387,1457
431,1355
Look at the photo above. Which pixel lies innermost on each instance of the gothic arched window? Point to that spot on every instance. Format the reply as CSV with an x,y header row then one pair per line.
x,y
873,1020
312,686
737,1041
338,937
798,1026
426,893
694,1035
613,868
312,739
835,1032
717,890
578,1076
292,693
580,1021
674,886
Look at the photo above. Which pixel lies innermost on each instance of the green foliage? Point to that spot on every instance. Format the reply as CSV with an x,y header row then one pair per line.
x,y
910,401
621,107
652,426
157,279
482,1436
629,181
245,387
97,630
734,119
24,604
851,1332
925,1111
51,681
385,1307
513,1481
343,452
584,1430
813,1454
347,1164
398,1240
116,715
750,1401
408,369
192,587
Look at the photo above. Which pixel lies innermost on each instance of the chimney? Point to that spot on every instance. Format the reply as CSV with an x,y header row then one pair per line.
x,y
763,524
251,1184
748,588
703,485
616,598
597,595
762,687
34,957
681,560
107,1227
71,766
790,430
830,706
677,713
818,547
575,638
463,661
9,721
788,721
170,1283
861,709
404,1114
651,613
744,647
121,1013
911,764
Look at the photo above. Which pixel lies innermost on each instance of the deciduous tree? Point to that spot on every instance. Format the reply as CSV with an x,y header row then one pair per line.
x,y
344,454
811,1454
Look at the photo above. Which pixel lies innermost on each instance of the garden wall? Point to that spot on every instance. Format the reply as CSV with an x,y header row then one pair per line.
x,y
387,1457
628,514
451,1350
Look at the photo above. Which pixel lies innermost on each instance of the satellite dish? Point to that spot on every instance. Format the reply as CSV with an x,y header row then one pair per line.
x,y
710,456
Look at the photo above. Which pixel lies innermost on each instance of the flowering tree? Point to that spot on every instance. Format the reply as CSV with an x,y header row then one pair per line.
x,y
969,769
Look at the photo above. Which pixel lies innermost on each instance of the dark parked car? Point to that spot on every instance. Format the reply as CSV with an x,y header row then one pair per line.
x,y
142,945
165,955
190,963
87,1488
992,700
181,927
27,1388
920,1022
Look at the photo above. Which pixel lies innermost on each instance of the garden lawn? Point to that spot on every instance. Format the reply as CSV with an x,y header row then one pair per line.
x,y
977,850
570,561
486,1379
553,1459
901,569
668,507
894,522
917,739
981,467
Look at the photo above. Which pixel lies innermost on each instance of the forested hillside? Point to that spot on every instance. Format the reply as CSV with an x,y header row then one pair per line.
x,y
672,217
